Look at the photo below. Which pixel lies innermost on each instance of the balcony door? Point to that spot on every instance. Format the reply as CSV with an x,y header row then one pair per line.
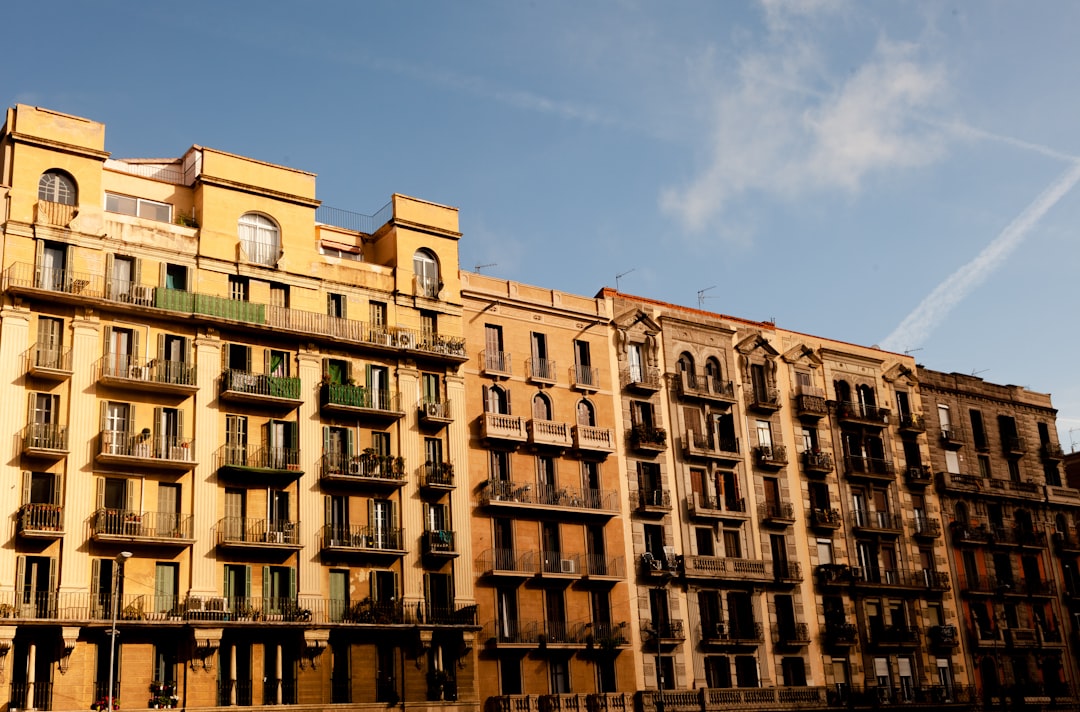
x,y
277,512
381,522
439,593
636,362
122,345
52,264
117,427
337,519
169,424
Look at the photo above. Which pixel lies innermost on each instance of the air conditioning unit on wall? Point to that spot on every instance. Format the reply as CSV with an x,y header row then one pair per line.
x,y
568,566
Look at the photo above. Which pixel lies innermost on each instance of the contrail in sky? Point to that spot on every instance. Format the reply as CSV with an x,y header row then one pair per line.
x,y
917,325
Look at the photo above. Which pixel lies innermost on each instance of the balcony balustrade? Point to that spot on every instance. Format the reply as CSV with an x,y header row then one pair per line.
x,y
45,440
711,446
862,414
841,635
257,533
549,433
816,462
765,399
787,572
705,387
943,636
588,438
509,494
1051,451
656,501
1013,445
912,423
952,437
918,475
658,567
353,538
902,579
771,457
869,468
584,378
877,522
647,438
794,635
734,632
435,413
600,567
84,287
641,378
541,370
51,363
360,400
246,462
495,363
508,563
439,543
47,212
826,518
368,467
145,449
437,476
726,567
811,403
663,631
146,527
500,427
894,635
777,513
830,575
137,373
926,528
255,388
705,506
41,521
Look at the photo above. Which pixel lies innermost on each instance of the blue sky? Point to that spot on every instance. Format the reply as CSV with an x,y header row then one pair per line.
x,y
898,173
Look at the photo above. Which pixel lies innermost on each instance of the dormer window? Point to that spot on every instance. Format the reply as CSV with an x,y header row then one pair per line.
x,y
139,207
426,269
57,187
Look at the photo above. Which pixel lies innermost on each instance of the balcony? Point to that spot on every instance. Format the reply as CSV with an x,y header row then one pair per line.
x,y
894,636
252,464
241,532
541,371
1066,542
641,379
1063,495
267,611
902,579
560,565
145,450
841,635
346,399
121,525
1051,451
826,519
918,476
665,632
931,697
599,567
912,423
548,433
368,467
504,428
592,439
786,572
45,440
584,378
832,575
763,399
779,514
796,635
46,212
816,463
507,563
353,539
732,633
943,636
727,568
925,528
770,457
877,522
952,437
710,447
156,375
41,521
435,413
854,413
652,501
256,388
1022,638
811,403
495,363
869,468
49,364
509,495
704,506
439,543
646,438
437,477
81,287
706,388
1012,445
657,568
513,634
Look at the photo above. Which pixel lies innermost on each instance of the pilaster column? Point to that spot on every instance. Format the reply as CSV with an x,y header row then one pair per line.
x,y
84,426
309,509
411,447
205,577
14,342
457,448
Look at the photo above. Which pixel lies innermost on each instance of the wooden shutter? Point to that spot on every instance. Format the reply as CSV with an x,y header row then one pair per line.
x,y
266,588
266,362
107,333
39,263
226,589
26,478
371,513
129,495
292,583
226,351
54,572
349,446
159,434
95,582
373,590
136,274
247,582
328,517
20,579
100,490
161,355
180,428
134,356
110,288
487,394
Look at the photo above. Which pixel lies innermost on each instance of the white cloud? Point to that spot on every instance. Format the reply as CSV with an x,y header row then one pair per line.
x,y
773,133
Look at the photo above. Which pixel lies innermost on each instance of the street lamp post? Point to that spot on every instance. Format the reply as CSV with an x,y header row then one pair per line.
x,y
120,559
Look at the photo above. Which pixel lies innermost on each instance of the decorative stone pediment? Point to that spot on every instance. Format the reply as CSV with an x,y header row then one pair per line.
x,y
803,353
756,343
900,372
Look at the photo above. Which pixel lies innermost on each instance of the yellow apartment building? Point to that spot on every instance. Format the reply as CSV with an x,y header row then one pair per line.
x,y
548,523
234,419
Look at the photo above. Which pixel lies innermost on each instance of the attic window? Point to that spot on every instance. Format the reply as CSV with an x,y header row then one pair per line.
x,y
138,207
340,250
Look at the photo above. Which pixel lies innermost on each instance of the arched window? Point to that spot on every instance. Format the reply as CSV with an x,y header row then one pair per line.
x,y
867,399
57,187
586,414
843,391
496,401
962,513
685,366
1061,525
541,407
260,239
426,269
1023,521
713,370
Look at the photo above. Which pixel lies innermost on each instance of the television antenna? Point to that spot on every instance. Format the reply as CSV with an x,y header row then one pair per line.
x,y
976,373
621,275
1072,440
701,296
489,264
908,352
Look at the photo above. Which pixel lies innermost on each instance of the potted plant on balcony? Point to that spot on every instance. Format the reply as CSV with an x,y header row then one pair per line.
x,y
102,703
